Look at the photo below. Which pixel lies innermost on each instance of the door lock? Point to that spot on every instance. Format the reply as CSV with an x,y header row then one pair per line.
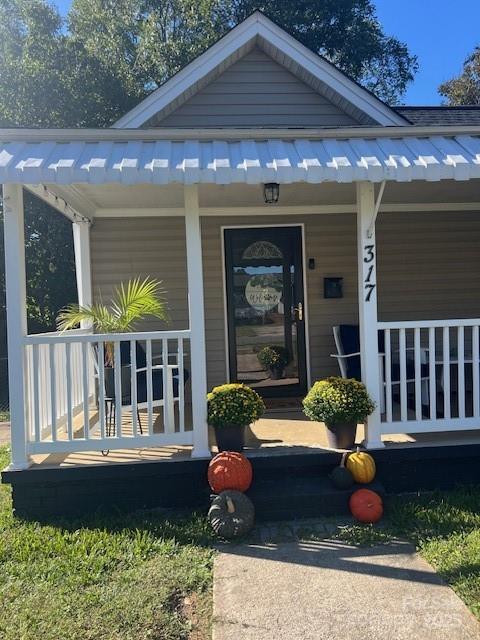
x,y
299,311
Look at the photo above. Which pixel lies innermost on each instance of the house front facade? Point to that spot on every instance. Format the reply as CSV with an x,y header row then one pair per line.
x,y
275,199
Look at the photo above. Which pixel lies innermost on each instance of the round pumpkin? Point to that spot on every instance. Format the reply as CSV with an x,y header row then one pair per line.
x,y
362,466
366,506
232,514
229,470
342,477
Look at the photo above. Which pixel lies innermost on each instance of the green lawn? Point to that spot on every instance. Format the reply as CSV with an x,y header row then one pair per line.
x,y
139,577
445,528
128,577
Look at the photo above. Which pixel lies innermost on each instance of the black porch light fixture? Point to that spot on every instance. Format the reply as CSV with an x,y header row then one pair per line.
x,y
271,192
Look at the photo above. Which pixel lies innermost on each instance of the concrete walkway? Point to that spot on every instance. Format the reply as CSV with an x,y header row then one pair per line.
x,y
328,590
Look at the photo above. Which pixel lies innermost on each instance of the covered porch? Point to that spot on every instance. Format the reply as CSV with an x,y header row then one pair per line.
x,y
420,362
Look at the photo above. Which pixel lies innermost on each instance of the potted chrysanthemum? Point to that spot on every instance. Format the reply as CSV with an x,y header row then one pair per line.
x,y
231,408
274,359
341,404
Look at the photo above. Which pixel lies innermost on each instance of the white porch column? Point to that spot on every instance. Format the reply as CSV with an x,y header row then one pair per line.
x,y
81,243
197,322
367,306
15,280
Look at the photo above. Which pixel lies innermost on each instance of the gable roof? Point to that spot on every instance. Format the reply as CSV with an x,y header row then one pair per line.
x,y
441,115
258,30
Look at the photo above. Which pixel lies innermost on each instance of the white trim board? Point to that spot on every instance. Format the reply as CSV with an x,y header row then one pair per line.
x,y
305,290
254,29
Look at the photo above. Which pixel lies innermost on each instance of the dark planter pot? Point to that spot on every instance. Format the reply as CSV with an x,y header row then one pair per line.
x,y
341,435
230,437
125,376
276,373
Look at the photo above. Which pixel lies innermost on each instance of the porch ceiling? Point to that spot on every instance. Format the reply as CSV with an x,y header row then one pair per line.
x,y
250,161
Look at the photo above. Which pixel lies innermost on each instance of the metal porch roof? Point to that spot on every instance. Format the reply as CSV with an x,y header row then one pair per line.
x,y
399,159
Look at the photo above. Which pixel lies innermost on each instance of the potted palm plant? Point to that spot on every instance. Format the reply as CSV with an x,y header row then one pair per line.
x,y
341,404
231,408
274,359
132,301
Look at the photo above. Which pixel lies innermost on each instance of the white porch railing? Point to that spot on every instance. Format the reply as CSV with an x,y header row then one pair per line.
x,y
77,401
430,381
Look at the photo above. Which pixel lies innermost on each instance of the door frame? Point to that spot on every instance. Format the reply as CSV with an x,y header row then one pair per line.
x,y
305,289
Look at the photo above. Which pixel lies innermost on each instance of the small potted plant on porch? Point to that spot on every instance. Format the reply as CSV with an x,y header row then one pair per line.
x,y
274,359
231,408
341,404
132,302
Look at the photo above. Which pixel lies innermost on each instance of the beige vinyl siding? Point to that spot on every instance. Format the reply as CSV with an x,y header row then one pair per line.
x,y
428,265
428,268
256,91
123,248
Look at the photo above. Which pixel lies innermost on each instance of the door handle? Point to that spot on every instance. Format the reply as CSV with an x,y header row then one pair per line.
x,y
299,311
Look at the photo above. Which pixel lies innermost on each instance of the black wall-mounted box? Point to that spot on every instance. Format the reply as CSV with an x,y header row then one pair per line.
x,y
333,287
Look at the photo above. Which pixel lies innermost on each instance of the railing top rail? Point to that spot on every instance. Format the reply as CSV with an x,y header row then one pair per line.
x,y
70,332
63,337
426,324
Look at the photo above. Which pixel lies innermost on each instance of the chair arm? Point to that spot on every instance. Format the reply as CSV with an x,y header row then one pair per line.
x,y
153,368
347,355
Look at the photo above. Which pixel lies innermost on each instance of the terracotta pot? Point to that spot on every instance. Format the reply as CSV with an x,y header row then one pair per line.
x,y
230,437
341,435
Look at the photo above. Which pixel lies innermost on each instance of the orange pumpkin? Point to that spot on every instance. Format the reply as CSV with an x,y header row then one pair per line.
x,y
229,470
366,506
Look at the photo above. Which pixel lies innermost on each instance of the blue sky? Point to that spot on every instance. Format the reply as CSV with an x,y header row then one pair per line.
x,y
442,33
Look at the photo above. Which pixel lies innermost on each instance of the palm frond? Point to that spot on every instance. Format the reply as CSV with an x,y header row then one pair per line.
x,y
132,301
137,299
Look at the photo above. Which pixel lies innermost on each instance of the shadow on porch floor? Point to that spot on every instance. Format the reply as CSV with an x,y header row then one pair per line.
x,y
279,432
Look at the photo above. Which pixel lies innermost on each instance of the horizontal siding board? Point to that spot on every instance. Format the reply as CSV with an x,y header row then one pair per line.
x,y
255,91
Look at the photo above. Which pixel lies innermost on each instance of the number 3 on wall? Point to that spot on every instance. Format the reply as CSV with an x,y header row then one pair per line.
x,y
369,256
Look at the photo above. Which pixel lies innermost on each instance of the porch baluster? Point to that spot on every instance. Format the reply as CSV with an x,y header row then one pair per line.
x,y
418,374
53,394
133,383
461,371
149,387
403,374
68,378
86,414
475,371
446,372
118,388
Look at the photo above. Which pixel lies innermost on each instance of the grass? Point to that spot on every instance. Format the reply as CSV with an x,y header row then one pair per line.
x,y
117,578
141,577
444,526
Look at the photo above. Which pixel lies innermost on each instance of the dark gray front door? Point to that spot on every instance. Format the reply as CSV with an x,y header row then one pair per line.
x,y
265,305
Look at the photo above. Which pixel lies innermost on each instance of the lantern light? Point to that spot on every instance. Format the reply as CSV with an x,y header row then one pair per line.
x,y
271,192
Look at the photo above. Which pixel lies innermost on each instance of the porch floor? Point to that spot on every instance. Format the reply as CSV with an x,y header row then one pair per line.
x,y
280,431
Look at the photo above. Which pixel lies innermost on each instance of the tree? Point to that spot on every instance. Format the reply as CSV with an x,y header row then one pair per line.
x,y
110,54
465,88
347,33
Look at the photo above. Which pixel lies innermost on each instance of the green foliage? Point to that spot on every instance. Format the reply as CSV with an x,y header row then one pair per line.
x,y
234,404
338,400
107,55
131,302
274,356
348,34
120,577
465,88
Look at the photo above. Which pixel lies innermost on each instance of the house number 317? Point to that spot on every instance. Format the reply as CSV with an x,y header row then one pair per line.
x,y
369,259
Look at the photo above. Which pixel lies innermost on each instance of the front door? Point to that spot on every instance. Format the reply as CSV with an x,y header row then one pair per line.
x,y
265,305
